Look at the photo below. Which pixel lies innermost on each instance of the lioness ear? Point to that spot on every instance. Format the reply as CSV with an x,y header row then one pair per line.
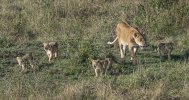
x,y
135,35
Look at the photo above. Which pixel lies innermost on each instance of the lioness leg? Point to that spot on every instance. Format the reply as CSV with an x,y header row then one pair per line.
x,y
133,54
131,49
121,51
135,50
124,49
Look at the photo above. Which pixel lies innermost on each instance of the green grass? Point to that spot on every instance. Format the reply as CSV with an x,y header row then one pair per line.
x,y
82,28
65,79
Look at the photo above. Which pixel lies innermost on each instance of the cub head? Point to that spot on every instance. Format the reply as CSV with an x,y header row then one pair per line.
x,y
28,56
95,63
46,45
139,39
19,60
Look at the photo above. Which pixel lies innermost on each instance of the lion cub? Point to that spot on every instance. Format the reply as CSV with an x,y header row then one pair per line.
x,y
25,61
165,49
51,49
102,66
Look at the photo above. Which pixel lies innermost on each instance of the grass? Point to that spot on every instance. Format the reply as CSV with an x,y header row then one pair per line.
x,y
64,79
82,29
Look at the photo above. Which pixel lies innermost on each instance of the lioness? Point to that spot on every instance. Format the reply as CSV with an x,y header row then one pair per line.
x,y
51,49
102,66
25,61
165,49
128,36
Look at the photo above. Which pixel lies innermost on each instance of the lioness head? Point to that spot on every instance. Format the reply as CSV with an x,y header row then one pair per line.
x,y
139,39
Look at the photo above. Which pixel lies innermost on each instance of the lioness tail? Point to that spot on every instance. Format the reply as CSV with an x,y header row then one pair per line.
x,y
113,41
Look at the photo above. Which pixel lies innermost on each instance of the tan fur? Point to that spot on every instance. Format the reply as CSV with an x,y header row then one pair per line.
x,y
102,66
128,36
51,49
25,61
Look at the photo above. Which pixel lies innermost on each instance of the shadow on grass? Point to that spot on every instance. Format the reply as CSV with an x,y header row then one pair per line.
x,y
180,58
44,66
2,72
174,57
122,67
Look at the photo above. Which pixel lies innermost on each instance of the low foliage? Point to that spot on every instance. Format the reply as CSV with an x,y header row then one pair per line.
x,y
82,28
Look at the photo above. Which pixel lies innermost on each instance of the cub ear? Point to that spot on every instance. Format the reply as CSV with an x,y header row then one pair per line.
x,y
44,43
91,59
97,61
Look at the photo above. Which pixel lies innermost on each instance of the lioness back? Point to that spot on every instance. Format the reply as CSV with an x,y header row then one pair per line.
x,y
122,30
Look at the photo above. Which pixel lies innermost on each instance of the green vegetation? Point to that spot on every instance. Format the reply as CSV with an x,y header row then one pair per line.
x,y
82,29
